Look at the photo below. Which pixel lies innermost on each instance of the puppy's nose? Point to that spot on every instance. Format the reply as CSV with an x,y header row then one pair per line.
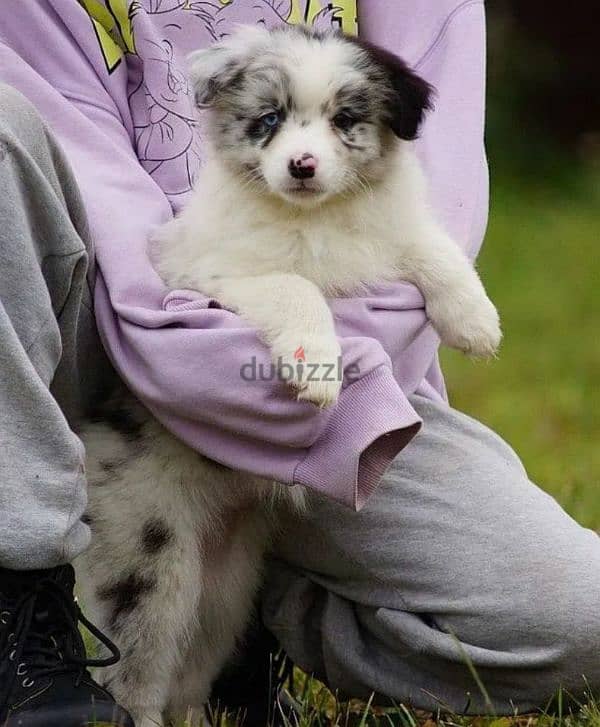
x,y
303,167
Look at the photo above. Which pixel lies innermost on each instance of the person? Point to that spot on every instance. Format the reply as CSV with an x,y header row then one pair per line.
x,y
427,564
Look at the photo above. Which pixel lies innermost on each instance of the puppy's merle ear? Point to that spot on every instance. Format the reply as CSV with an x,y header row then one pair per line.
x,y
410,97
213,69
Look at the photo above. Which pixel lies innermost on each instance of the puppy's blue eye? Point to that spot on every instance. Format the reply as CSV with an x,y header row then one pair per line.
x,y
271,121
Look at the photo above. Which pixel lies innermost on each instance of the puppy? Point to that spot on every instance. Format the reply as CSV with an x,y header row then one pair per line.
x,y
311,189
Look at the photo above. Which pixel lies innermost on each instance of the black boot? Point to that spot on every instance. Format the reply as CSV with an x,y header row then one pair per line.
x,y
44,680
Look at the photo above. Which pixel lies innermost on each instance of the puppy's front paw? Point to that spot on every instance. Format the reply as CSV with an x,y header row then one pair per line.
x,y
471,326
313,368
321,393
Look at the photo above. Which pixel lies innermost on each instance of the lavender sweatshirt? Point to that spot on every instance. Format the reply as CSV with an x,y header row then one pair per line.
x,y
109,78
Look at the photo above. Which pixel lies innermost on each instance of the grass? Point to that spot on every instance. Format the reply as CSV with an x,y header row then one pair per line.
x,y
319,708
540,266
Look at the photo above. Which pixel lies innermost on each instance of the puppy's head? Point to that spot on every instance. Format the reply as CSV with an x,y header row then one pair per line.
x,y
304,115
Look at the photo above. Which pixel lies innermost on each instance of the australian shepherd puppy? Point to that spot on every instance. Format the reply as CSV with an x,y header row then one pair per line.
x,y
310,189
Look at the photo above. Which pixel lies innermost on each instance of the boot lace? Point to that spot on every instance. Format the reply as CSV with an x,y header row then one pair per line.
x,y
44,639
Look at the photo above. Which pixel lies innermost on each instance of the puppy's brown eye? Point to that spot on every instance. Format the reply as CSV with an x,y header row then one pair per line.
x,y
344,121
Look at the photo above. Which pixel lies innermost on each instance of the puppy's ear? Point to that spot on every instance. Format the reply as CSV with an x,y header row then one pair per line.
x,y
213,69
410,95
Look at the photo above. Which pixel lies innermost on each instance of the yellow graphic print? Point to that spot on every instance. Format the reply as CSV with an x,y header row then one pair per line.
x,y
112,27
112,19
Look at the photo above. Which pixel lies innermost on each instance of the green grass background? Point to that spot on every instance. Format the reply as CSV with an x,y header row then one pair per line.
x,y
541,265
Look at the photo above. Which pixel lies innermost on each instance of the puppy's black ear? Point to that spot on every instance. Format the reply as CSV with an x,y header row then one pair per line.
x,y
413,97
410,95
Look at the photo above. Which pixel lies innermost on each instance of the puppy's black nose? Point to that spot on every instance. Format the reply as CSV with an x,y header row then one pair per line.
x,y
303,167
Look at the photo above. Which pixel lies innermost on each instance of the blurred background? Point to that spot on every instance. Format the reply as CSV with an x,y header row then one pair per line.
x,y
540,261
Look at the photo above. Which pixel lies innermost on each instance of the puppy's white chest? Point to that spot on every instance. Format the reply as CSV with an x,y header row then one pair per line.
x,y
309,245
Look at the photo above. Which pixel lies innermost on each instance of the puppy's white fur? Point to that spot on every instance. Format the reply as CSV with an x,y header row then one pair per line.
x,y
273,263
178,541
271,247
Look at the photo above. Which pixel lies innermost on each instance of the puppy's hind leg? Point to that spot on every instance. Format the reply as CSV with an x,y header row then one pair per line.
x,y
187,700
140,581
230,581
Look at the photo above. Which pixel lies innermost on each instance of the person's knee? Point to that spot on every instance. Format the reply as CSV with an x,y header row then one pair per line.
x,y
565,632
579,640
538,618
47,546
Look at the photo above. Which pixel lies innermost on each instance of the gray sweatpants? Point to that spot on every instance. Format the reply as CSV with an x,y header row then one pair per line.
x,y
456,558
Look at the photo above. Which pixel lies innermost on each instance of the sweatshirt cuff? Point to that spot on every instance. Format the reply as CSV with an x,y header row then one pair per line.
x,y
350,457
